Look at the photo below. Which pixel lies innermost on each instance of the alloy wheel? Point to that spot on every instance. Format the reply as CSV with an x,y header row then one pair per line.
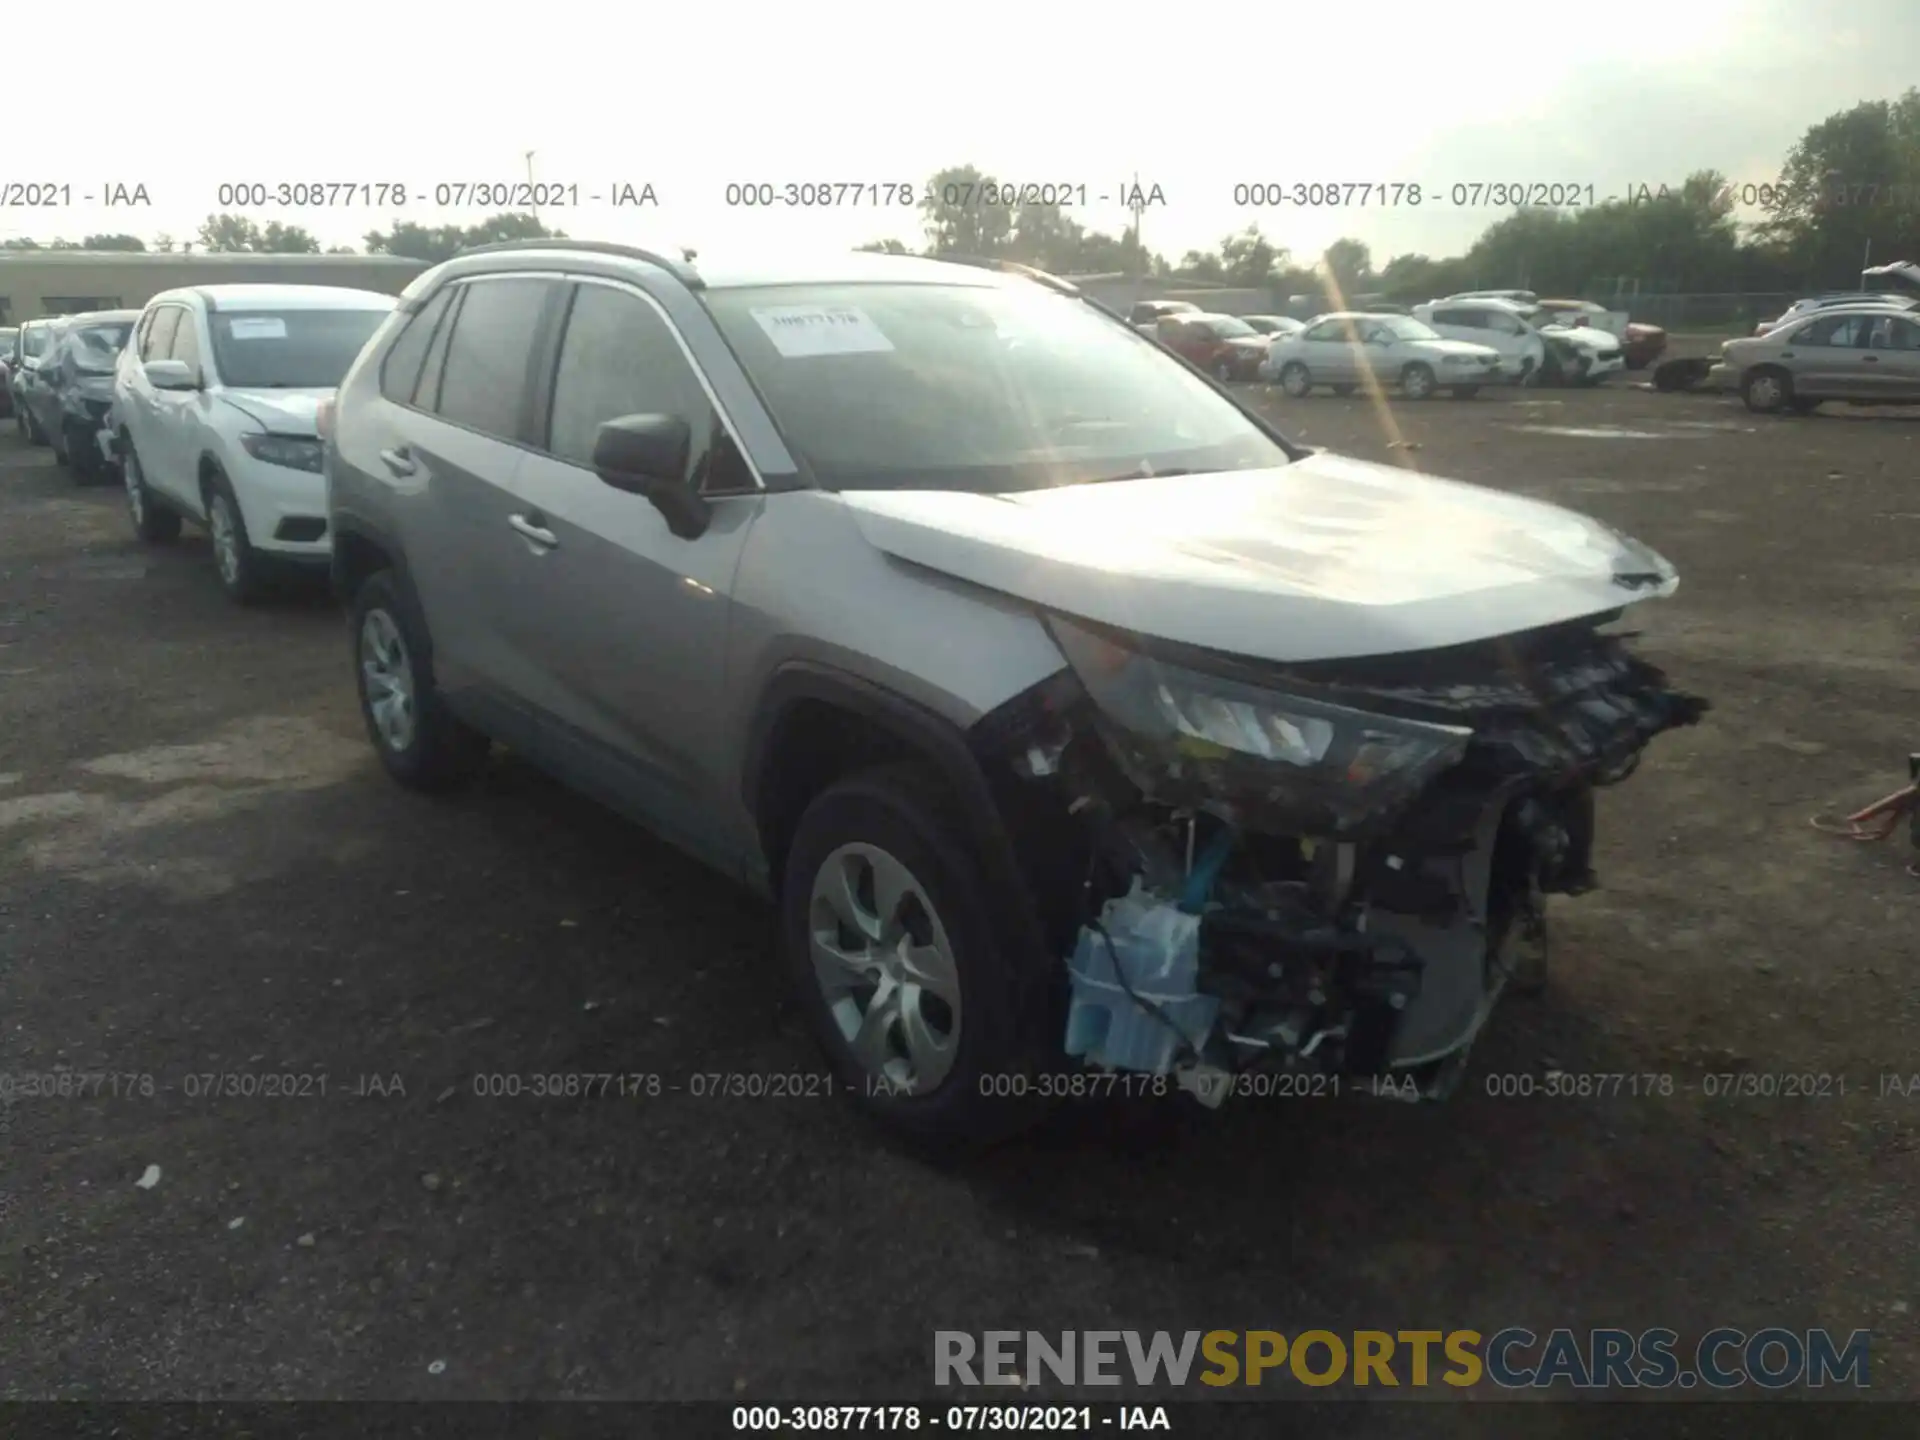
x,y
885,968
386,671
226,539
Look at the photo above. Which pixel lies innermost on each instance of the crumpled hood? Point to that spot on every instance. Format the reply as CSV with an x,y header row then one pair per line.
x,y
284,412
1326,558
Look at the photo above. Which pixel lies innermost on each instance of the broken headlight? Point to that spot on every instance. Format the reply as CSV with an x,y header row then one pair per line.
x,y
1281,760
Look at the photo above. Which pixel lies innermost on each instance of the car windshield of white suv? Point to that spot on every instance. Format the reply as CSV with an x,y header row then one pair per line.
x,y
33,342
289,349
95,348
982,388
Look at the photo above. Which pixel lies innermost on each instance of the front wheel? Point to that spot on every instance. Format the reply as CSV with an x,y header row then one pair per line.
x,y
418,739
891,938
1417,382
80,453
1295,380
1223,371
241,567
1767,392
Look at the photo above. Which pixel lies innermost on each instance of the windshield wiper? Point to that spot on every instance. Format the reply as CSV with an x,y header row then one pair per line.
x,y
1143,473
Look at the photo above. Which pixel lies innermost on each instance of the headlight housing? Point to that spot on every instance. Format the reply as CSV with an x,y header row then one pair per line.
x,y
1279,761
297,452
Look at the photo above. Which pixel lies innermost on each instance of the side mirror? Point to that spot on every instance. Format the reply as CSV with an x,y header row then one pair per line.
x,y
647,455
172,375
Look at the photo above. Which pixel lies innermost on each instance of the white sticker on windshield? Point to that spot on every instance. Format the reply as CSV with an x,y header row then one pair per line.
x,y
257,327
799,331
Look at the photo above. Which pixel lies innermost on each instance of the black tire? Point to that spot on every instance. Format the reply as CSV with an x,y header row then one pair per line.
x,y
1766,390
80,453
440,752
1417,381
1004,1013
243,571
35,434
1343,389
152,522
1465,392
1295,379
1223,371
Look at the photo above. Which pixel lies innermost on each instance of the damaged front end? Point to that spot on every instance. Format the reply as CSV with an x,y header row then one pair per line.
x,y
1332,868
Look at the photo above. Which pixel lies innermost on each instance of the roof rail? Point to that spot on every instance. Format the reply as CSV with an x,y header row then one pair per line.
x,y
681,269
1014,267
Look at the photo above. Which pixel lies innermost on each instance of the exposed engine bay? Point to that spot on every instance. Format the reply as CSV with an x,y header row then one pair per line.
x,y
1331,868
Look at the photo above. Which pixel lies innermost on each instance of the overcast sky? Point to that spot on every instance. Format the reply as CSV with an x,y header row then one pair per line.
x,y
689,97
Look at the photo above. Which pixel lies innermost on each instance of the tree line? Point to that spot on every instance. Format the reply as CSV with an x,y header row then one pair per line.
x,y
237,235
1846,195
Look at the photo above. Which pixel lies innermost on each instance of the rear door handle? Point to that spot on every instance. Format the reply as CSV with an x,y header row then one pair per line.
x,y
400,462
538,534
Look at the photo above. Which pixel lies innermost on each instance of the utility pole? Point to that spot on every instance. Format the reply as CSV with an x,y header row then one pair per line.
x,y
1137,206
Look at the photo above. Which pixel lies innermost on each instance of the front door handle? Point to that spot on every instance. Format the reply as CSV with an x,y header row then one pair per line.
x,y
539,535
400,462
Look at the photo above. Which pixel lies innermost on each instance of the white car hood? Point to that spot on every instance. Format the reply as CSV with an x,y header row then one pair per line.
x,y
284,412
1585,336
1326,558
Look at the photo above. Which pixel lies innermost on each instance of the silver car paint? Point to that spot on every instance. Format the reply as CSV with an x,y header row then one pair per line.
x,y
624,639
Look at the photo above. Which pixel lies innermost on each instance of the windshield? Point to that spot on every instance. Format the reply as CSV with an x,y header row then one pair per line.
x,y
33,342
1402,327
986,389
289,349
1226,327
96,347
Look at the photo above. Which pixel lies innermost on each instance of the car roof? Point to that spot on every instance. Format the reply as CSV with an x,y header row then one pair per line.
x,y
279,297
102,317
1865,308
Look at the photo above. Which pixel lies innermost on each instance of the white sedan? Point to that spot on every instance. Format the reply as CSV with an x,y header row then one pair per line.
x,y
1345,350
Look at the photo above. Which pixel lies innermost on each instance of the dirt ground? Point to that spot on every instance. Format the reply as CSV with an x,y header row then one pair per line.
x,y
203,870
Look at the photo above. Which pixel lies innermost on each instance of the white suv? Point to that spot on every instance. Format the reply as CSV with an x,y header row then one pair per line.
x,y
215,400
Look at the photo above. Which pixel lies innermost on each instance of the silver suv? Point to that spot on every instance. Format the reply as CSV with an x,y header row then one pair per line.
x,y
1091,736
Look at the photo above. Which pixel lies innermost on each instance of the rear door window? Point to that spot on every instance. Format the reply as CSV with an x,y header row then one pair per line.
x,y
484,382
186,340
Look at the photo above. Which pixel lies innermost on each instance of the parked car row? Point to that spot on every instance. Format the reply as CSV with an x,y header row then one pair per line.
x,y
939,608
1531,340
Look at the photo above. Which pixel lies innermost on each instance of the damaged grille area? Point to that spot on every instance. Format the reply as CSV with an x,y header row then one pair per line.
x,y
1332,868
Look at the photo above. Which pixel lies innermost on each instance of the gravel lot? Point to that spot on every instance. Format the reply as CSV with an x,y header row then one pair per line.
x,y
202,870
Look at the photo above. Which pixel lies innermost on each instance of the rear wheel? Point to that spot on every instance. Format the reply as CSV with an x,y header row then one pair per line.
x,y
1767,391
152,521
418,739
891,938
1295,380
